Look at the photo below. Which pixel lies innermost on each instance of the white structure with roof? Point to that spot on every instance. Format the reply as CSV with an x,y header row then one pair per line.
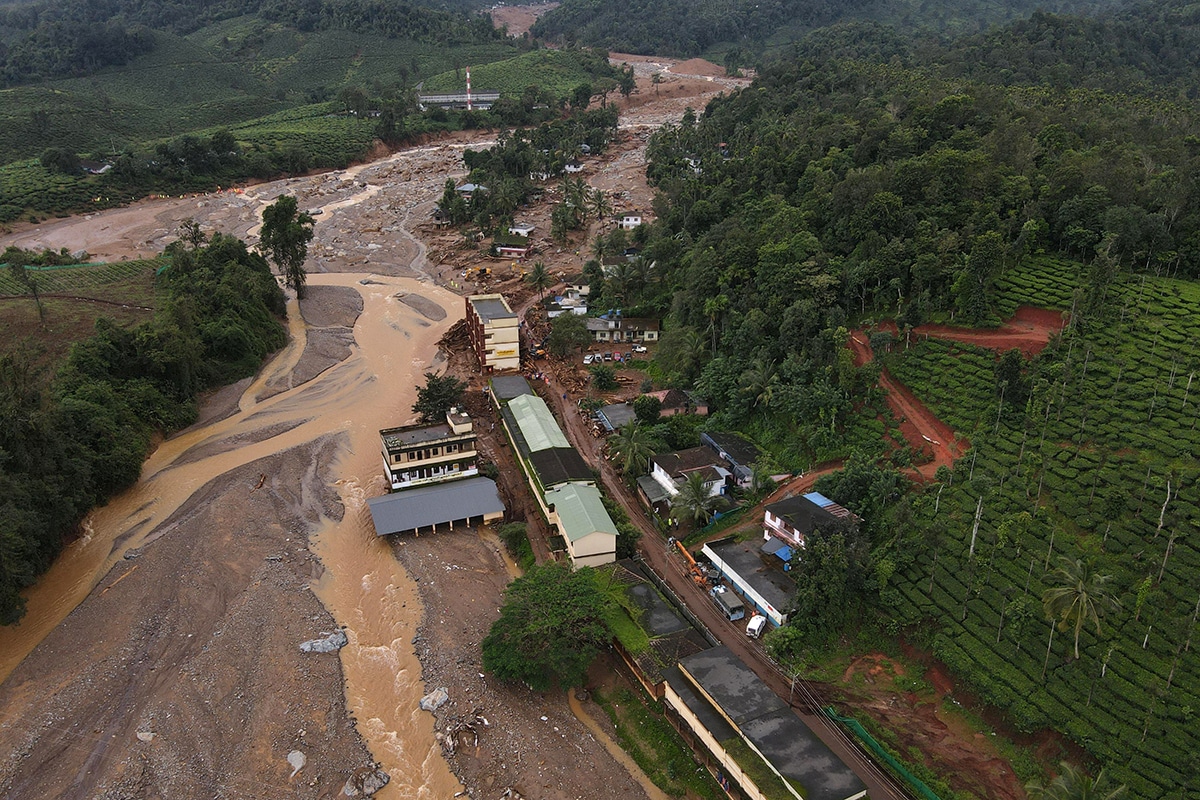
x,y
589,532
494,331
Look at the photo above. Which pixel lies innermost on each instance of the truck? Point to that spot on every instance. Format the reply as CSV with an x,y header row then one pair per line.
x,y
730,604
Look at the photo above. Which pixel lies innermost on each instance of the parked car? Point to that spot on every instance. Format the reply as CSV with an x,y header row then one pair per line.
x,y
588,359
639,348
608,356
754,628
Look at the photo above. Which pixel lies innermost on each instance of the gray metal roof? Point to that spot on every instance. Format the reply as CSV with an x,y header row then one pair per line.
x,y
802,514
434,505
506,387
774,729
491,308
737,449
655,492
766,576
616,415
557,465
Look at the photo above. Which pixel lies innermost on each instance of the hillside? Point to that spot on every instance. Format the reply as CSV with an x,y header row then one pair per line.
x,y
876,181
1099,463
739,31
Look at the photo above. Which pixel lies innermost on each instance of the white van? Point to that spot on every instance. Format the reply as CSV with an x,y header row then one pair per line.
x,y
756,626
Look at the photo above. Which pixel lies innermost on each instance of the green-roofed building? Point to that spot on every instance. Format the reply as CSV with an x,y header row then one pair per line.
x,y
536,423
589,532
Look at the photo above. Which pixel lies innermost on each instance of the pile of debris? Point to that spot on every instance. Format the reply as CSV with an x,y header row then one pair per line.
x,y
462,731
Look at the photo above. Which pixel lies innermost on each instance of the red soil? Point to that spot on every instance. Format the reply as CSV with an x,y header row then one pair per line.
x,y
1029,330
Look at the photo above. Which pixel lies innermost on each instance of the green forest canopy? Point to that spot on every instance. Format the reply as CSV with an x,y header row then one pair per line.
x,y
869,179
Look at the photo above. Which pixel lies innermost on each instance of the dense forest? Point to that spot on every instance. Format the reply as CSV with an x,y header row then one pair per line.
x,y
871,178
69,447
78,37
741,30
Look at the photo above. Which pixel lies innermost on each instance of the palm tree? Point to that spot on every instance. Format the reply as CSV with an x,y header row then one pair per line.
x,y
631,448
598,200
1075,784
694,498
539,278
1077,596
760,382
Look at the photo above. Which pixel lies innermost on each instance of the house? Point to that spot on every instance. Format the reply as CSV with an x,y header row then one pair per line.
x,y
469,502
672,469
629,220
739,453
577,287
654,495
573,166
793,520
615,416
589,533
612,327
560,305
469,189
521,229
493,330
478,101
675,401
755,574
414,455
512,245
440,218
752,733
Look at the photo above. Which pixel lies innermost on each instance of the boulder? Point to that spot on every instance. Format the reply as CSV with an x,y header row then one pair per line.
x,y
330,644
435,699
365,781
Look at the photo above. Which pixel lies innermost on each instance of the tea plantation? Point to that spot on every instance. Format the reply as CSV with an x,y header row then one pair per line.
x,y
1101,461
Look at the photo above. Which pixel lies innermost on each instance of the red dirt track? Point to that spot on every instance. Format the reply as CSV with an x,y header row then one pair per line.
x,y
1029,330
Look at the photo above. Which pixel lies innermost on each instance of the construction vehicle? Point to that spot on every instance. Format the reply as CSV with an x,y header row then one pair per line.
x,y
698,576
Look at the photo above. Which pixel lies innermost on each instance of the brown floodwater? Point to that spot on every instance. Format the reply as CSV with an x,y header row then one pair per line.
x,y
362,586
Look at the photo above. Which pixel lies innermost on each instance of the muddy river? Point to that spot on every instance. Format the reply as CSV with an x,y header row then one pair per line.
x,y
362,585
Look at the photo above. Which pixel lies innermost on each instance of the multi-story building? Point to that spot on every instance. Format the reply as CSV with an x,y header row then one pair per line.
x,y
415,455
493,328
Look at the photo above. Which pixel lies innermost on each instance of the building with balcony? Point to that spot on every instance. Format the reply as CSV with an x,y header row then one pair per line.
x,y
794,519
494,332
415,455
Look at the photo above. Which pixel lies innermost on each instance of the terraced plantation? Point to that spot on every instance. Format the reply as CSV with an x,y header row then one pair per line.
x,y
556,71
1099,462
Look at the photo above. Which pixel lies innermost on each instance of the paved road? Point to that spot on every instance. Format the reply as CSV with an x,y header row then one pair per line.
x,y
804,696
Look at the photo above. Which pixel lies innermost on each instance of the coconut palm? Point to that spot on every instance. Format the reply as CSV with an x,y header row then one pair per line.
x,y
759,382
539,278
694,498
631,448
1075,784
598,200
1078,595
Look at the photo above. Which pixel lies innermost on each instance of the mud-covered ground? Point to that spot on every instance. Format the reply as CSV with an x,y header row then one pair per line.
x,y
179,674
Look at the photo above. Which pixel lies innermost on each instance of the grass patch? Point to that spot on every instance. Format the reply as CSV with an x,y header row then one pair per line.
x,y
771,785
655,746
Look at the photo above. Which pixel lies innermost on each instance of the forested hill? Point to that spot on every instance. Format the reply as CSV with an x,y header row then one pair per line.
x,y
869,179
57,38
742,29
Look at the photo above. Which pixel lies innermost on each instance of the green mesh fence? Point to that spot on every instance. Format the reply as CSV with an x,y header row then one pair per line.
x,y
858,730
